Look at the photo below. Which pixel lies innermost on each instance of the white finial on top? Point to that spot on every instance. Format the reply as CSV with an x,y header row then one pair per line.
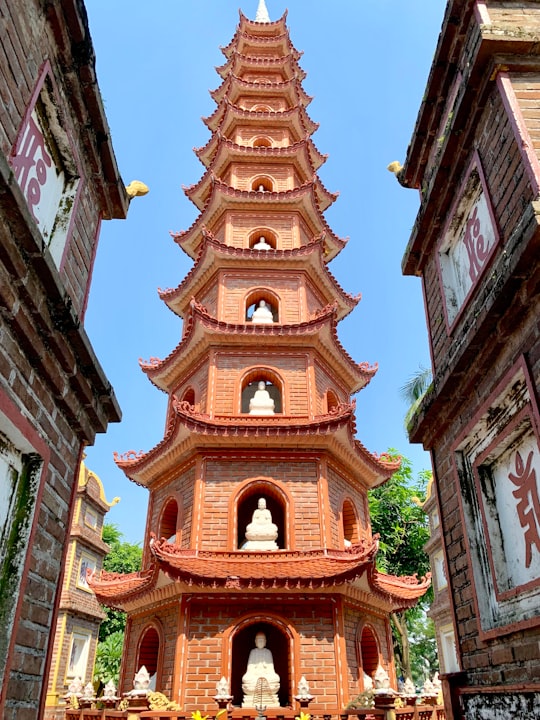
x,y
262,13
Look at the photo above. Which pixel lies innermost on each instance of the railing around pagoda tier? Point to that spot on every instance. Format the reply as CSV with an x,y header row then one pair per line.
x,y
408,712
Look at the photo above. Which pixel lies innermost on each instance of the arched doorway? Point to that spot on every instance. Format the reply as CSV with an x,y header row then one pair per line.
x,y
148,655
277,642
369,650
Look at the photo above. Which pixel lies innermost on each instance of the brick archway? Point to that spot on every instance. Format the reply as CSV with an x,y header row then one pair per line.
x,y
278,641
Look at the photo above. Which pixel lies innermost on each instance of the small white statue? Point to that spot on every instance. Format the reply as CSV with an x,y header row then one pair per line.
x,y
261,403
262,314
88,692
75,687
141,682
408,688
303,690
261,533
429,689
368,682
261,244
260,682
109,691
381,680
222,690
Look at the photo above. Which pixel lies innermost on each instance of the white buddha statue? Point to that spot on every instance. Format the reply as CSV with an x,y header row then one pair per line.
x,y
262,314
260,682
261,533
261,403
261,244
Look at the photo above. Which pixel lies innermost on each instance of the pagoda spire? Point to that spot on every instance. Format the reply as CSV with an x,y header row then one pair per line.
x,y
262,13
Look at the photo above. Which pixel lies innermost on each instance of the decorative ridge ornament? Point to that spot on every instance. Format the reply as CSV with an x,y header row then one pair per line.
x,y
262,13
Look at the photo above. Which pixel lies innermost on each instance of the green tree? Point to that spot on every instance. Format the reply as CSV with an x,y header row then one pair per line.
x,y
414,390
397,516
108,659
123,557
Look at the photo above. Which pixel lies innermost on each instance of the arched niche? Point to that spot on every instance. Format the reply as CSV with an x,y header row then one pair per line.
x,y
246,503
149,653
349,519
369,651
261,141
277,641
332,401
262,183
254,298
189,396
168,524
273,385
268,236
261,108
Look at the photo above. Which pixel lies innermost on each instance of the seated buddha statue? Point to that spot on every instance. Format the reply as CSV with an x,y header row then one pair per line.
x,y
261,244
261,533
260,682
262,314
261,403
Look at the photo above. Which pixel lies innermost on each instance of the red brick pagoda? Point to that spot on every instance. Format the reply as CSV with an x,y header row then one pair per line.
x,y
258,518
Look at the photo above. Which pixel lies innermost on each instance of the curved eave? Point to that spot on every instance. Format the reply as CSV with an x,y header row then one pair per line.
x,y
116,589
243,39
238,63
215,255
404,592
265,570
227,115
207,153
234,87
227,152
203,330
199,194
259,29
224,198
189,433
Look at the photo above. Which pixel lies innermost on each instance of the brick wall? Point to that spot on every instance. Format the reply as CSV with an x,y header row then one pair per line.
x,y
53,395
490,120
509,190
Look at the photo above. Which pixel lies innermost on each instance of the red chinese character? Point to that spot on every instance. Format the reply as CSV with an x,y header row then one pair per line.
x,y
528,507
26,159
476,247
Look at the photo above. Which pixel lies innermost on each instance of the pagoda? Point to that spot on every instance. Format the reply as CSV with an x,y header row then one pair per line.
x,y
258,530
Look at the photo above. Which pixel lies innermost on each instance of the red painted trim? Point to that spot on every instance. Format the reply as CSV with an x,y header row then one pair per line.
x,y
475,163
481,13
516,420
32,436
521,133
92,261
44,70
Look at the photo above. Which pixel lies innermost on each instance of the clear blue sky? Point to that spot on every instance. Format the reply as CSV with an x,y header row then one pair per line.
x,y
367,62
